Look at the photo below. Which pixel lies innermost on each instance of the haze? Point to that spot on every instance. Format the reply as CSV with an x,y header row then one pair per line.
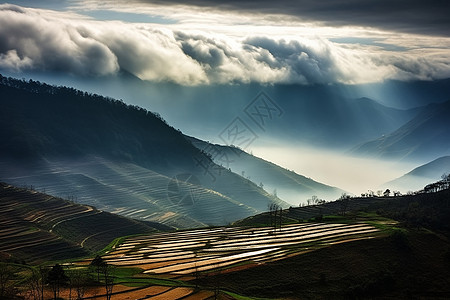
x,y
354,175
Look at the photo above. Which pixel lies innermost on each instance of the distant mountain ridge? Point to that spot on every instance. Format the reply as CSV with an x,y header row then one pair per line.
x,y
118,157
338,122
203,111
424,138
421,176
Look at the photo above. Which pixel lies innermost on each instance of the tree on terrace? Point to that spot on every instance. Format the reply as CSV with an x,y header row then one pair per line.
x,y
36,283
79,279
108,276
343,203
7,274
56,278
98,263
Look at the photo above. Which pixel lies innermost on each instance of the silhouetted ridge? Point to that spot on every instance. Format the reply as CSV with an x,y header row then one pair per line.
x,y
65,121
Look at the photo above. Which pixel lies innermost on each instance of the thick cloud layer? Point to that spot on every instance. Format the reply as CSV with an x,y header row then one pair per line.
x,y
414,16
30,40
45,40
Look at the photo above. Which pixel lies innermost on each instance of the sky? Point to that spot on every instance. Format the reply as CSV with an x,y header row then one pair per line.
x,y
204,42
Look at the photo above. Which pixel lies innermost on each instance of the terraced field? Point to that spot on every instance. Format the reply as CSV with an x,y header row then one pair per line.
x,y
136,192
37,227
188,252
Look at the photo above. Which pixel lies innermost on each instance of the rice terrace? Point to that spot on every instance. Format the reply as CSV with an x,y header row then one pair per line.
x,y
159,263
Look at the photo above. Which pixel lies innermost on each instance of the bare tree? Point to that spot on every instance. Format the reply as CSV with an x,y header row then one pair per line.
x,y
275,219
343,202
108,276
281,217
36,283
79,280
98,263
196,272
273,211
7,274
56,278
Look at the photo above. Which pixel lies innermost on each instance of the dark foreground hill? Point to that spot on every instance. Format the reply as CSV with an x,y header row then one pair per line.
x,y
414,265
411,262
423,209
36,227
117,157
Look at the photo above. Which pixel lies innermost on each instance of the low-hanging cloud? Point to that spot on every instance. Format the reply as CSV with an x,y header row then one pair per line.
x,y
32,39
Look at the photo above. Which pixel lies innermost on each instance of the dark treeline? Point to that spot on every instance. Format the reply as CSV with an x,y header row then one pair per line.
x,y
425,210
38,87
443,184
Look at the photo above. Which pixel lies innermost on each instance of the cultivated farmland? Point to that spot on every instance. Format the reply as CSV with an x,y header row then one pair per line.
x,y
37,227
207,250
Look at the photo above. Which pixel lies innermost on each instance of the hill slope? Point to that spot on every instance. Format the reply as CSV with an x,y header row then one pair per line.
x,y
425,137
290,186
37,227
335,121
117,157
422,175
411,262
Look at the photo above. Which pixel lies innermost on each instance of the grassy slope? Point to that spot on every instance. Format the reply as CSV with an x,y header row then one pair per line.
x,y
412,261
383,267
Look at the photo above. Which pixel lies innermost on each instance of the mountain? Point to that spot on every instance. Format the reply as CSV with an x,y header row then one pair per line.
x,y
289,186
119,158
421,176
330,116
336,121
424,138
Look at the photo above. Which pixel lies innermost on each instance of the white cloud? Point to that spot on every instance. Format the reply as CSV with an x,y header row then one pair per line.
x,y
35,41
32,39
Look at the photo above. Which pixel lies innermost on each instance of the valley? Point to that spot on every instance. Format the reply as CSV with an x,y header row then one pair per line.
x,y
124,206
224,150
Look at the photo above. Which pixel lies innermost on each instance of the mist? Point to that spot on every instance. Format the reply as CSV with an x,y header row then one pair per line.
x,y
352,174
